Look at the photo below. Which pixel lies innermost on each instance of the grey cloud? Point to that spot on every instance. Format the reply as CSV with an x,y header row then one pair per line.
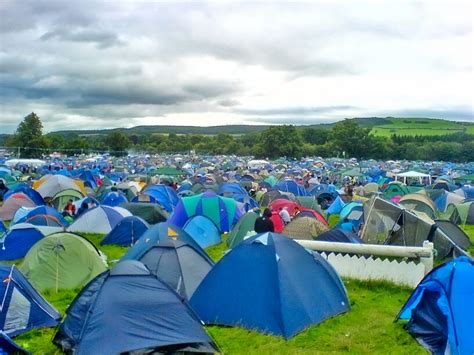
x,y
228,103
102,39
458,114
300,111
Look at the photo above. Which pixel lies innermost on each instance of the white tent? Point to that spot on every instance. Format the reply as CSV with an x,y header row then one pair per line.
x,y
412,175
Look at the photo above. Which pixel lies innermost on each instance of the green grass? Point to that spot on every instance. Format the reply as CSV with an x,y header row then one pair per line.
x,y
367,328
420,126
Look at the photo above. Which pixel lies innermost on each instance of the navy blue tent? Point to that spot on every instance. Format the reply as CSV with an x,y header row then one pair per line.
x,y
441,308
129,309
22,308
126,232
340,236
8,346
17,241
175,262
271,284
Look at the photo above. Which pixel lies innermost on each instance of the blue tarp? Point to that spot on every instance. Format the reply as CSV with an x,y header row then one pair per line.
x,y
441,310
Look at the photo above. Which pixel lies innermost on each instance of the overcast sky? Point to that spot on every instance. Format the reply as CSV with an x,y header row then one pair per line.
x,y
84,64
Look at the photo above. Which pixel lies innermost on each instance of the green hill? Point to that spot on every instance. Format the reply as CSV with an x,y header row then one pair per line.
x,y
380,127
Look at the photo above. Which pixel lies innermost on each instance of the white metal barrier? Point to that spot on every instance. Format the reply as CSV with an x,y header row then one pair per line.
x,y
365,267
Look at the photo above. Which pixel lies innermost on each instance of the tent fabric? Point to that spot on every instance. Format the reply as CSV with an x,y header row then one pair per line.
x,y
162,232
50,185
293,207
100,219
175,262
164,195
22,308
13,203
224,212
440,310
152,213
8,346
19,239
462,213
271,284
292,187
243,227
340,236
304,228
62,261
165,323
43,216
203,231
114,198
28,191
60,199
126,232
419,202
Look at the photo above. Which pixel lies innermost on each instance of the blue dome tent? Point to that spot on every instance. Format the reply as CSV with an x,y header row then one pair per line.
x,y
147,316
23,308
271,284
440,310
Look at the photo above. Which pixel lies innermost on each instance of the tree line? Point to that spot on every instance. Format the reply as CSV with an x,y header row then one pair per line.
x,y
345,139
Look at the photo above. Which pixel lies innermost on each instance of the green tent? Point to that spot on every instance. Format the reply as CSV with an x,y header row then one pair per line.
x,y
271,180
462,213
60,199
245,225
62,261
395,188
150,212
465,178
310,202
168,171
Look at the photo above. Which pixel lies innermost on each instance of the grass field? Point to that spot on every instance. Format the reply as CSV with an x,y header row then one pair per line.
x,y
418,126
367,328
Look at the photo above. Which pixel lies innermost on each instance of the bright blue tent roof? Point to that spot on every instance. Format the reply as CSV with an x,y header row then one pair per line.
x,y
23,308
164,195
271,284
126,232
146,314
114,198
291,186
440,310
203,231
37,217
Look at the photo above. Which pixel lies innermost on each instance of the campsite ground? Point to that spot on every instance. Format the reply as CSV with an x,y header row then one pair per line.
x,y
367,328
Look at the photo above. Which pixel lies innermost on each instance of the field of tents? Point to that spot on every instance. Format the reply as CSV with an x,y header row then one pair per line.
x,y
160,254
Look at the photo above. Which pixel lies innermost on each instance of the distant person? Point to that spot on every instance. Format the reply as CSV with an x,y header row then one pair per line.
x,y
296,211
264,223
70,209
285,215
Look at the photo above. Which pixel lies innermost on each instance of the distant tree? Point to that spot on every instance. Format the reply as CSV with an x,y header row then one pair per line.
x,y
29,137
280,141
118,143
348,137
315,136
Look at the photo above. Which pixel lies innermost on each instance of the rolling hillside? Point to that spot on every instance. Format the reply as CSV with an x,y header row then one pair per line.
x,y
380,127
